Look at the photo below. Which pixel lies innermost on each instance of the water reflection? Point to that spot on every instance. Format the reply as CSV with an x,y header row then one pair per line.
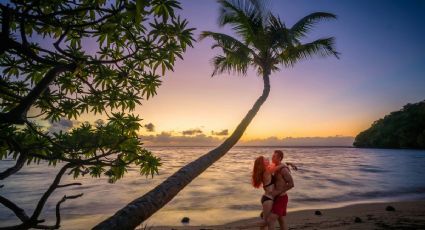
x,y
327,177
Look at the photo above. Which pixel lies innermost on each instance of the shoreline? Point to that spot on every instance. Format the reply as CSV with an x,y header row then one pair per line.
x,y
407,215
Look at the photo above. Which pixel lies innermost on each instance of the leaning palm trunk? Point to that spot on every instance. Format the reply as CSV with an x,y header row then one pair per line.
x,y
140,209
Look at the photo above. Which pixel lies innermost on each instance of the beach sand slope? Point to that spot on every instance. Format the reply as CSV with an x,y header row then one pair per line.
x,y
407,215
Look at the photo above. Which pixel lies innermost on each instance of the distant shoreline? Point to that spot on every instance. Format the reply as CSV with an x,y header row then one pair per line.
x,y
273,146
253,146
406,214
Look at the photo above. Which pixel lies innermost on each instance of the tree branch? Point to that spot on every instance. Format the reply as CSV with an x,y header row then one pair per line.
x,y
25,50
5,27
22,29
18,114
93,90
95,22
96,61
66,185
33,220
64,198
57,44
49,191
19,163
58,215
19,212
10,94
31,126
66,12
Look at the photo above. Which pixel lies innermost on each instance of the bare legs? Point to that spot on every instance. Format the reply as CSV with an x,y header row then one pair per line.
x,y
282,223
271,221
267,208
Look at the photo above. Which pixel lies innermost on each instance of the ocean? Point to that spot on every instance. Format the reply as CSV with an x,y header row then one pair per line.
x,y
327,177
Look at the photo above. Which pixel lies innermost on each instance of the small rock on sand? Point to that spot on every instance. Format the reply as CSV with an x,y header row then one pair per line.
x,y
318,213
185,220
357,220
390,208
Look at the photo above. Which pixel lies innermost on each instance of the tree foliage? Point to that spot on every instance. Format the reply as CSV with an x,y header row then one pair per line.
x,y
401,129
64,59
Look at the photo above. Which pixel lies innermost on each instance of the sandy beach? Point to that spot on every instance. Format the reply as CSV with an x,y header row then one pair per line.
x,y
406,215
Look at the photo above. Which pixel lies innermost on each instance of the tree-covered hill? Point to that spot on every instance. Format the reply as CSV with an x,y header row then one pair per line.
x,y
401,129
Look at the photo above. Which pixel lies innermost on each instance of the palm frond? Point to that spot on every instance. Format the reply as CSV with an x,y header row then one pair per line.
x,y
305,24
322,47
236,55
243,16
226,42
265,41
279,36
230,63
263,8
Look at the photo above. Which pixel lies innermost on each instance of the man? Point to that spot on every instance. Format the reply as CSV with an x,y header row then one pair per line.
x,y
283,182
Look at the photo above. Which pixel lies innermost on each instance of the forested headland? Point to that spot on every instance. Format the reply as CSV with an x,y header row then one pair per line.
x,y
400,129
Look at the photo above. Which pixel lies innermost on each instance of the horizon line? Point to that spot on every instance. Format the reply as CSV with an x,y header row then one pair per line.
x,y
258,146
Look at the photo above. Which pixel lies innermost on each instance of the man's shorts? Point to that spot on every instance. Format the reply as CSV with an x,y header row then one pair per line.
x,y
279,205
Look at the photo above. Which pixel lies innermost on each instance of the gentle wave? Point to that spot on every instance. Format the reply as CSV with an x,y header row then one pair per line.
x,y
327,177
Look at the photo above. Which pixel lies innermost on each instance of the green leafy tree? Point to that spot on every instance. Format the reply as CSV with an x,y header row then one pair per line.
x,y
265,43
400,129
63,59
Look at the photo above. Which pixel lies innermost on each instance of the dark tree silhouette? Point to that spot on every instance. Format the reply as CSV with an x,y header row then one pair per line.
x,y
61,59
401,129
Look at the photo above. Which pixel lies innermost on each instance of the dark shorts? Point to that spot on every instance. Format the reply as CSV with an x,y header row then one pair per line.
x,y
280,204
265,198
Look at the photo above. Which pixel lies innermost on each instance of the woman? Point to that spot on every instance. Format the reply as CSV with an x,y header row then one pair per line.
x,y
262,174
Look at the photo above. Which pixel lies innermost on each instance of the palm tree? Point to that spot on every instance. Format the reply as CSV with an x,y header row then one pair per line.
x,y
266,43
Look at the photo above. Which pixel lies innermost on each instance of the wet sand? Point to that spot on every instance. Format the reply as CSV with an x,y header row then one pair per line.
x,y
407,215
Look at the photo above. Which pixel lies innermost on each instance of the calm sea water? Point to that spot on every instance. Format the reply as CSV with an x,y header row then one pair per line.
x,y
328,177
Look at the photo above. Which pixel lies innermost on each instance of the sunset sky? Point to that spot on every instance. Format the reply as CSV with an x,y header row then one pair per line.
x,y
382,67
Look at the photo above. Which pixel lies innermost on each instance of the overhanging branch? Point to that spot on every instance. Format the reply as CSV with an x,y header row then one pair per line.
x,y
5,27
49,191
10,44
58,215
19,163
18,114
66,185
19,212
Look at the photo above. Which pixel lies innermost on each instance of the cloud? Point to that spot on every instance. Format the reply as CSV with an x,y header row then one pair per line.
x,y
62,125
223,132
170,139
301,141
191,132
149,127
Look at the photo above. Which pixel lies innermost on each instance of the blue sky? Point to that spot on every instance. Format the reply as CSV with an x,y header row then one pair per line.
x,y
382,68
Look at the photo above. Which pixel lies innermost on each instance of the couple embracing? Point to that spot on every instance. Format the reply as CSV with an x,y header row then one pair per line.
x,y
276,180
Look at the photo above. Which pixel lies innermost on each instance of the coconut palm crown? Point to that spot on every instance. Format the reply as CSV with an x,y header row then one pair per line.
x,y
265,41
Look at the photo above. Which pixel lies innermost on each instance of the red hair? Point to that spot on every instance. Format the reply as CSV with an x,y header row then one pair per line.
x,y
258,171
